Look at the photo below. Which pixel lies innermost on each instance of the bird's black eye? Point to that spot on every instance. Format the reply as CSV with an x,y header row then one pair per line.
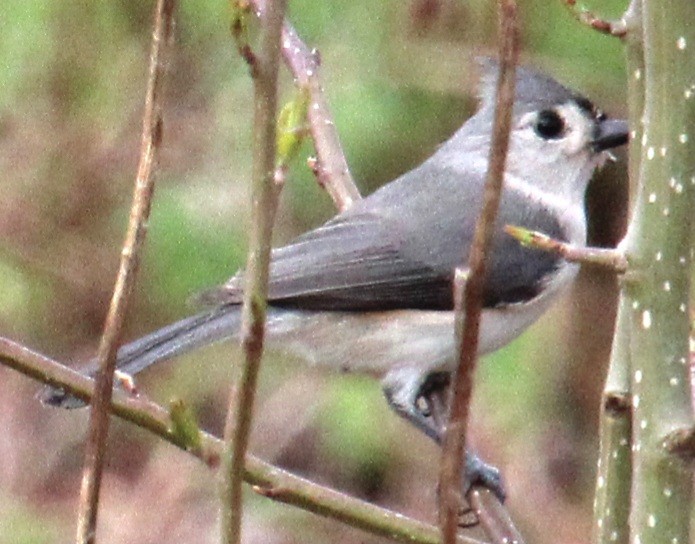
x,y
549,125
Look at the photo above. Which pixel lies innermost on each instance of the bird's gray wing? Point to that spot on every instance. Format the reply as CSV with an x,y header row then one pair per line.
x,y
354,262
398,249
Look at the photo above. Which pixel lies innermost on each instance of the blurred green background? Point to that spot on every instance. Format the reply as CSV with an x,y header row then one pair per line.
x,y
399,79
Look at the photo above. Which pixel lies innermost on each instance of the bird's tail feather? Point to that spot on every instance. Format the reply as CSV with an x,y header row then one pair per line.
x,y
176,339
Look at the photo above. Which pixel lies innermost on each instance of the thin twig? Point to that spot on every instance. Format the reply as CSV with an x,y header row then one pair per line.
x,y
613,259
264,199
296,491
469,303
331,168
494,517
617,28
137,227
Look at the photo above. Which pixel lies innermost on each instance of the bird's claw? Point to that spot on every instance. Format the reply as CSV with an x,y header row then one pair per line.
x,y
480,473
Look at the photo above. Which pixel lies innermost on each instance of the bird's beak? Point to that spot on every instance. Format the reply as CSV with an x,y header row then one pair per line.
x,y
610,133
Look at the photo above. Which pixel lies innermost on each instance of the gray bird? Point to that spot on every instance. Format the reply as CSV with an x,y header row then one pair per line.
x,y
371,289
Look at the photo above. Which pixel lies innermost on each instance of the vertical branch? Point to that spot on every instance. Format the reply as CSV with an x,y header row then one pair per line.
x,y
264,203
614,475
659,247
469,303
137,228
634,53
613,481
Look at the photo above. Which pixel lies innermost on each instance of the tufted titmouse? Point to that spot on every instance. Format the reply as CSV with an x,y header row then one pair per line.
x,y
371,290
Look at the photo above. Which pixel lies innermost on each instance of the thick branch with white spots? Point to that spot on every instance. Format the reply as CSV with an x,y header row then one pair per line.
x,y
658,247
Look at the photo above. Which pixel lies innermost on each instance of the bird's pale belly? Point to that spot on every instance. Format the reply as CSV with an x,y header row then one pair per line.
x,y
376,342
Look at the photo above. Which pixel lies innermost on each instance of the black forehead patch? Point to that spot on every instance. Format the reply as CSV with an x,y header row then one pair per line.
x,y
586,105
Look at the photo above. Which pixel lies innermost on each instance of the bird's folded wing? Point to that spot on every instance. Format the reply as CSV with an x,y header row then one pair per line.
x,y
354,262
365,260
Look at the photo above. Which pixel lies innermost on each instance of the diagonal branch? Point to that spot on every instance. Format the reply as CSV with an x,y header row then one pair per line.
x,y
137,227
330,166
273,482
494,517
617,28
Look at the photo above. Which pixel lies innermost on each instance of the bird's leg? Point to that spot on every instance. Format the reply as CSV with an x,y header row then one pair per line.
x,y
423,401
434,398
402,388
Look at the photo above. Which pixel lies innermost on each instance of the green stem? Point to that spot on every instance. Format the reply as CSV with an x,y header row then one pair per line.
x,y
264,195
658,246
612,503
614,478
275,483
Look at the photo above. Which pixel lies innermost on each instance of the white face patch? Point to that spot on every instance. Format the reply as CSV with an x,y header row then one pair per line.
x,y
580,128
575,138
560,162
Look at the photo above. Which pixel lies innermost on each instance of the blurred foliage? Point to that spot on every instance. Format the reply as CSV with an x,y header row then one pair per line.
x,y
399,81
185,253
352,433
18,525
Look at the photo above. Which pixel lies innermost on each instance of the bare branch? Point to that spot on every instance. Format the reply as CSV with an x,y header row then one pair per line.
x,y
264,199
494,517
469,303
278,484
332,173
617,28
613,259
137,227
330,168
613,480
659,244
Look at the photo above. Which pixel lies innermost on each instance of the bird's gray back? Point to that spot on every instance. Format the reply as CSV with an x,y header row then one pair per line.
x,y
399,247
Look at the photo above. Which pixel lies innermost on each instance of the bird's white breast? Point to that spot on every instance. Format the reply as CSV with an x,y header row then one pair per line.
x,y
376,342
